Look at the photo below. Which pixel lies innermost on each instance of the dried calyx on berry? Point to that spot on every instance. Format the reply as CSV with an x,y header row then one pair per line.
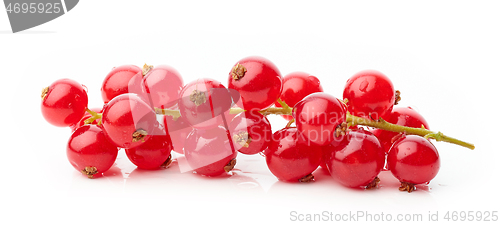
x,y
238,71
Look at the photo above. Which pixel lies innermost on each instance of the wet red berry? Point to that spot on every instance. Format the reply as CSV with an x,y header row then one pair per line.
x,y
290,158
370,94
356,159
404,116
154,153
317,116
64,102
251,132
162,85
413,159
258,81
118,82
209,152
203,102
127,120
90,151
296,86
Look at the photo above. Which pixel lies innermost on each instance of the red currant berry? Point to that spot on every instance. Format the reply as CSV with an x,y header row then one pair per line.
x,y
251,132
209,152
154,153
90,151
413,160
370,94
178,129
121,80
290,158
258,81
203,103
163,84
297,86
317,117
64,102
127,120
356,159
404,116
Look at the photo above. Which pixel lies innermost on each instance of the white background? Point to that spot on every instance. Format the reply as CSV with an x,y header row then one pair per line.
x,y
444,57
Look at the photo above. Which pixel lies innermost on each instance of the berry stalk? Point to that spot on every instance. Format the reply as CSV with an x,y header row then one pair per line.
x,y
352,121
169,112
94,116
384,125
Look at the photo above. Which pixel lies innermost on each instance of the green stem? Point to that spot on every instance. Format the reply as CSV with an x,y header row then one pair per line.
x,y
169,112
351,120
236,110
283,110
382,124
93,117
276,111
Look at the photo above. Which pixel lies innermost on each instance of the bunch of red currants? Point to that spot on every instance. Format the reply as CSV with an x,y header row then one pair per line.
x,y
149,112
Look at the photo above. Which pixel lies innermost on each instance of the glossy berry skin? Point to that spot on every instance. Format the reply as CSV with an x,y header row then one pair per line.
x,y
64,102
178,130
356,159
121,80
258,81
90,151
154,152
251,132
404,116
317,116
208,152
413,159
296,86
370,94
162,85
127,120
203,102
289,157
